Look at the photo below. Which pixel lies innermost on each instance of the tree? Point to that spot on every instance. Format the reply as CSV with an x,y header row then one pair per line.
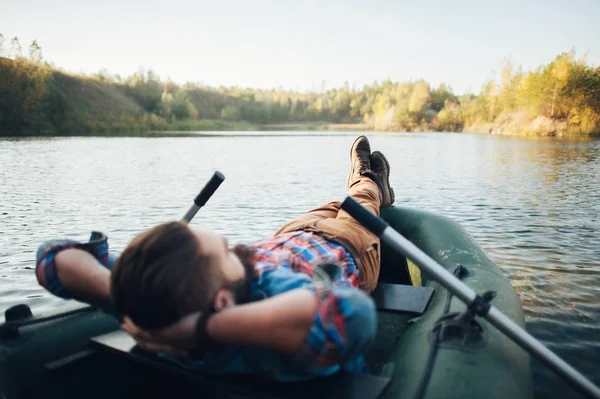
x,y
35,53
420,98
439,96
15,48
509,87
147,90
450,118
559,70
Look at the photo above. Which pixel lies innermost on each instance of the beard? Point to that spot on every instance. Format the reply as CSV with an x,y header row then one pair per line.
x,y
242,289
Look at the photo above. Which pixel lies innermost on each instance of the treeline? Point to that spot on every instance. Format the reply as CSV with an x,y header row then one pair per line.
x,y
36,98
564,94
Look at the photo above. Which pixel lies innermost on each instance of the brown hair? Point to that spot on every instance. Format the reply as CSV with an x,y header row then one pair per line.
x,y
161,276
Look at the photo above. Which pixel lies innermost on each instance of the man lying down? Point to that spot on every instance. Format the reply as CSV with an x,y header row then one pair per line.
x,y
290,307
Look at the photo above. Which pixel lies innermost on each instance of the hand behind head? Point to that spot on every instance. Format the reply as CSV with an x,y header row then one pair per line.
x,y
176,339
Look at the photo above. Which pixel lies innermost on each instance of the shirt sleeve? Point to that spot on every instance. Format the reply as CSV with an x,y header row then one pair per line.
x,y
45,269
345,322
344,327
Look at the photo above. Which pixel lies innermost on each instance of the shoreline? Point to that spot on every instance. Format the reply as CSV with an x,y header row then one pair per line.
x,y
505,127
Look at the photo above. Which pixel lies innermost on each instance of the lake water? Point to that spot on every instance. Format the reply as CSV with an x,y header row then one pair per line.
x,y
532,205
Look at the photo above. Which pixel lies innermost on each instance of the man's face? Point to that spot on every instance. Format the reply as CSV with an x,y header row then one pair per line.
x,y
220,257
236,265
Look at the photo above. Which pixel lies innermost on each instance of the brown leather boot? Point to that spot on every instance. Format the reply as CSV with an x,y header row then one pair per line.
x,y
381,167
360,163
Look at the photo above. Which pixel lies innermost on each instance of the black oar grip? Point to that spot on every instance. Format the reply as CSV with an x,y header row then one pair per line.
x,y
209,189
357,211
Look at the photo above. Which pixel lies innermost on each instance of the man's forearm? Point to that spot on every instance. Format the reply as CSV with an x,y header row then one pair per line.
x,y
84,277
280,323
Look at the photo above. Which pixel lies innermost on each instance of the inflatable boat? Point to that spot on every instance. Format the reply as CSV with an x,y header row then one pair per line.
x,y
428,345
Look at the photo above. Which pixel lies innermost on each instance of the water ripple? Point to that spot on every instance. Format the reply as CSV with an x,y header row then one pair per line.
x,y
533,205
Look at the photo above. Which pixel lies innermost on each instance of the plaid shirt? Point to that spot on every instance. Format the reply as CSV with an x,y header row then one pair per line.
x,y
288,261
343,328
45,269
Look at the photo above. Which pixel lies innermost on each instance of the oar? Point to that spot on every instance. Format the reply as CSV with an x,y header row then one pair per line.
x,y
200,200
207,192
519,336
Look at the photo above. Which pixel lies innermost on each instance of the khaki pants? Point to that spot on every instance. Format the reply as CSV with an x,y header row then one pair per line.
x,y
337,225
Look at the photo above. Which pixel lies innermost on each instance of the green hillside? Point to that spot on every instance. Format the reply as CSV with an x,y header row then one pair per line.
x,y
88,104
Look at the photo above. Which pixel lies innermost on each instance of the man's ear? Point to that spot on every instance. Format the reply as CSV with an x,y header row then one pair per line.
x,y
223,300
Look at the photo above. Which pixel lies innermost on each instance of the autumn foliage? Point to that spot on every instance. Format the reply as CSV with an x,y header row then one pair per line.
x,y
36,98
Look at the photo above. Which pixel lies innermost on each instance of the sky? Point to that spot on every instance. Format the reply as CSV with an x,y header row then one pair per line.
x,y
305,45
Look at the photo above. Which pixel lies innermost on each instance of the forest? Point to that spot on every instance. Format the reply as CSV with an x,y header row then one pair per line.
x,y
561,98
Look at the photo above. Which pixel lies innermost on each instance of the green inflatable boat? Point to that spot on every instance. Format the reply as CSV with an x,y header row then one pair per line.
x,y
426,345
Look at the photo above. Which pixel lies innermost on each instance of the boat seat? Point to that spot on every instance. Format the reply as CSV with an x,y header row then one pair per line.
x,y
341,385
401,298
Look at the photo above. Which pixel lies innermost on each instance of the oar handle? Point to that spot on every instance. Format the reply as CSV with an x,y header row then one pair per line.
x,y
206,192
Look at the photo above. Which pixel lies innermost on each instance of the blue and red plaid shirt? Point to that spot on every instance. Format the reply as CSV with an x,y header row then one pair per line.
x,y
344,326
